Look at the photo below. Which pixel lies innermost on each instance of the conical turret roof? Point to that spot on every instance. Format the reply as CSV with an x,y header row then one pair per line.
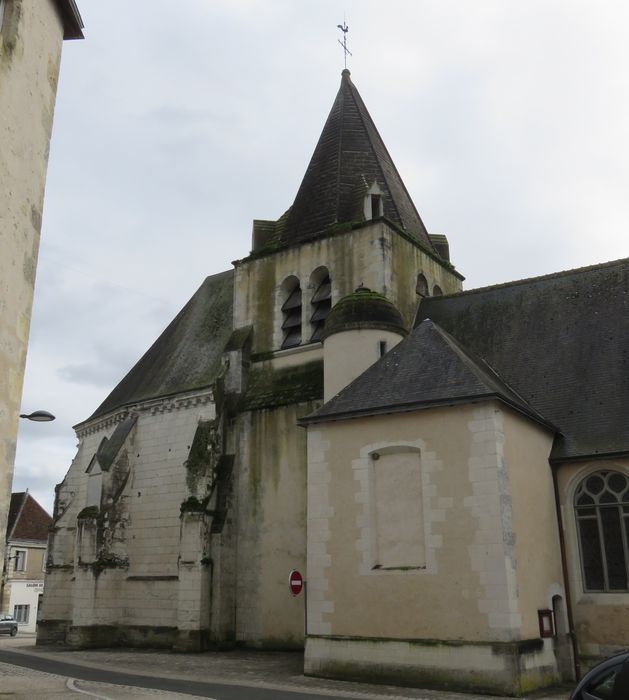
x,y
348,159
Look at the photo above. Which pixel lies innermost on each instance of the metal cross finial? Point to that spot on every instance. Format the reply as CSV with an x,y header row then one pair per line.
x,y
344,28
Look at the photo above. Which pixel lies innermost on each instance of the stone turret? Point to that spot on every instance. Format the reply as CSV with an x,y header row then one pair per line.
x,y
358,331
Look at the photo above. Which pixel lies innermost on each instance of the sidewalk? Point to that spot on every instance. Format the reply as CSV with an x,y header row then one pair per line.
x,y
257,669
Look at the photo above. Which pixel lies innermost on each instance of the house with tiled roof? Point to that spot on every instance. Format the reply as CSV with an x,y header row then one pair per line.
x,y
447,469
25,560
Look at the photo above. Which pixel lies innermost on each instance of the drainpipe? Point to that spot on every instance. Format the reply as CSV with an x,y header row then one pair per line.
x,y
564,568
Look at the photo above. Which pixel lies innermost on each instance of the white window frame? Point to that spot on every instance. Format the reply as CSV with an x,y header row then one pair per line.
x,y
17,557
17,614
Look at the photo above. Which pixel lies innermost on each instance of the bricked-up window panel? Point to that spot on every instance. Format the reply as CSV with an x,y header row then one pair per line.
x,y
291,324
321,305
398,518
601,506
21,613
421,286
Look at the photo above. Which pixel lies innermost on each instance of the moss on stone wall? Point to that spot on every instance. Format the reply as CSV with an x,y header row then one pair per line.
x,y
107,560
88,513
204,453
270,388
193,505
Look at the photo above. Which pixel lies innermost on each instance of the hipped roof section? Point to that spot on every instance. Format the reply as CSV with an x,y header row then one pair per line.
x,y
427,369
562,341
557,347
187,355
349,157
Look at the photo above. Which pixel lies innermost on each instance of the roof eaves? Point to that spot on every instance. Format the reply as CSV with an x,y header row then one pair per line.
x,y
586,457
126,406
423,405
72,20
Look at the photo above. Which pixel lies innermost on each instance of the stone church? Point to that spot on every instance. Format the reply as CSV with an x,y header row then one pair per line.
x,y
449,469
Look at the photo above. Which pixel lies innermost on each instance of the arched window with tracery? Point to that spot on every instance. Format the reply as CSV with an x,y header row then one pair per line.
x,y
601,504
321,302
291,313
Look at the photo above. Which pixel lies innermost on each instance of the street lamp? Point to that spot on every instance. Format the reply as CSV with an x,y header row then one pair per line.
x,y
38,416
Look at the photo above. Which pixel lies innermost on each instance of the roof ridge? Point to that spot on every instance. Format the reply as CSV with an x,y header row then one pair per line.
x,y
340,148
539,278
359,108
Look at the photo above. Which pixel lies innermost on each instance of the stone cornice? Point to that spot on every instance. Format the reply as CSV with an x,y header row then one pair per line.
x,y
166,404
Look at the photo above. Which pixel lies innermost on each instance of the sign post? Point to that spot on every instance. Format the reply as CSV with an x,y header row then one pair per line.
x,y
296,585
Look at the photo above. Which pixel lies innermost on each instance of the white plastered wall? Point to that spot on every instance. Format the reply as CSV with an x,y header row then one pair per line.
x,y
469,522
30,54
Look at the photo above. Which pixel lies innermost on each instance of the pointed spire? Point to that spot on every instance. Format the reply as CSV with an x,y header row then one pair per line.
x,y
349,159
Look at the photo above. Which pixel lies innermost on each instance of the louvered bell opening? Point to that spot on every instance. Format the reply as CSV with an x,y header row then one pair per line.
x,y
320,312
317,334
292,319
322,303
293,338
324,292
293,301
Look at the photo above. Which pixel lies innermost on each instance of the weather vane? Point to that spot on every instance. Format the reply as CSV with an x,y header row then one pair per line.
x,y
344,28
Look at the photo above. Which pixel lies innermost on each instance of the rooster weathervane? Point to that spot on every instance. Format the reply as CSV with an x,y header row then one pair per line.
x,y
344,28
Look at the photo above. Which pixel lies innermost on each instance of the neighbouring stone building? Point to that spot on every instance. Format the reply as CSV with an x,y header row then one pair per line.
x,y
31,35
24,563
448,468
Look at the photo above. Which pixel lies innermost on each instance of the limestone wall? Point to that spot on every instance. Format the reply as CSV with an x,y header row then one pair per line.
x,y
529,488
347,355
466,578
271,516
374,255
30,52
127,573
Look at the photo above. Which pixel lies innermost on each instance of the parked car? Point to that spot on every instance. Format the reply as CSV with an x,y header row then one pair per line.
x,y
8,625
607,681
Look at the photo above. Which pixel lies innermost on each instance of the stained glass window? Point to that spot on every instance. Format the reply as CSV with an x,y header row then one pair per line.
x,y
603,528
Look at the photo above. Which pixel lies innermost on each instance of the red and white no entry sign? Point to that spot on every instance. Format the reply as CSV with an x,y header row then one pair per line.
x,y
295,582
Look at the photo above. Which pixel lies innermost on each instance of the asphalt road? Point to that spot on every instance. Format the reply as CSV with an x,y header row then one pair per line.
x,y
167,685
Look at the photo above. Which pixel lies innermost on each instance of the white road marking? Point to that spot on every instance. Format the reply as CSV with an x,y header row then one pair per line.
x,y
70,684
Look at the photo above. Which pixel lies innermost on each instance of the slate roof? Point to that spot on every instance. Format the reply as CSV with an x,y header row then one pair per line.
x,y
348,158
187,355
562,341
27,519
427,369
559,342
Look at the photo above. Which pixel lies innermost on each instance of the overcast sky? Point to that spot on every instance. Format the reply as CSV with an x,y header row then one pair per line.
x,y
178,123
